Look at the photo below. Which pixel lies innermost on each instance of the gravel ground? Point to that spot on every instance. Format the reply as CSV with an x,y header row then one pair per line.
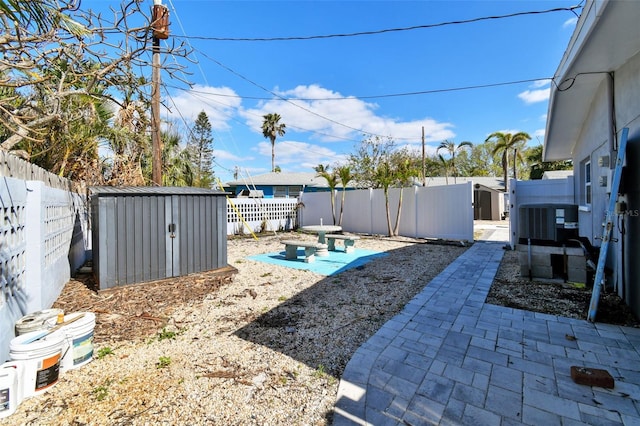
x,y
266,347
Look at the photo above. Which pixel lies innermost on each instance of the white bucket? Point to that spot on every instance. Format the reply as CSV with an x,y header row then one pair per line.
x,y
40,358
11,373
79,336
40,320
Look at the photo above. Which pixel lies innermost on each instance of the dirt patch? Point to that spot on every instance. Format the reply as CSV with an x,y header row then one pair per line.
x,y
510,289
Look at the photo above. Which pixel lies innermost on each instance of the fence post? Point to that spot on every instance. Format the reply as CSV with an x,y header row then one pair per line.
x,y
34,231
513,213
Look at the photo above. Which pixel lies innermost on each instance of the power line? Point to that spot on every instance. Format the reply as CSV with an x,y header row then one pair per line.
x,y
571,9
220,64
388,95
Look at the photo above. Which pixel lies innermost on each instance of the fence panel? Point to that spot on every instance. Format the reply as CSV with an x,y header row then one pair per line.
x,y
246,215
13,263
445,212
428,212
357,213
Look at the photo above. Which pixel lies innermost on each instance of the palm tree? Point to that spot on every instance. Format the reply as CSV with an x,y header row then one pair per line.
x,y
344,173
505,142
272,128
452,148
445,167
332,182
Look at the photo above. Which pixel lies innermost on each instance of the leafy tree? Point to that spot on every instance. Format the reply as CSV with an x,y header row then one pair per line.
x,y
177,164
538,167
377,163
451,148
70,67
506,142
404,170
271,129
368,156
201,149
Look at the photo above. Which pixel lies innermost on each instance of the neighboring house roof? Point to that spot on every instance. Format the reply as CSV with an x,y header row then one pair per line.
x,y
489,182
606,36
557,174
283,179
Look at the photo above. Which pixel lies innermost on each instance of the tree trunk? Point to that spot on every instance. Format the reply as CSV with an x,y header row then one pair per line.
x,y
341,207
386,204
505,170
273,154
396,230
333,205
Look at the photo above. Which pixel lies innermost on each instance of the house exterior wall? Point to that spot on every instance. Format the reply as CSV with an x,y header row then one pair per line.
x,y
622,93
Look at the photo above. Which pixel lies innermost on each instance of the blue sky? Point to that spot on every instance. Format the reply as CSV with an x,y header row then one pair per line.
x,y
338,89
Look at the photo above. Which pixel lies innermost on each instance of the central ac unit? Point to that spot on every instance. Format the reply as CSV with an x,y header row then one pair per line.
x,y
547,223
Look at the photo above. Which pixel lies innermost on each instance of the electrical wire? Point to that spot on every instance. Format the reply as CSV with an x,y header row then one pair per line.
x,y
571,9
388,95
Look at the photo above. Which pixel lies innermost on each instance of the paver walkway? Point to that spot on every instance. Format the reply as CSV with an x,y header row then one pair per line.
x,y
449,358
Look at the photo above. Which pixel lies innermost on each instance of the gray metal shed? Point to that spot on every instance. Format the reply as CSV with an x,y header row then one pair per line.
x,y
148,233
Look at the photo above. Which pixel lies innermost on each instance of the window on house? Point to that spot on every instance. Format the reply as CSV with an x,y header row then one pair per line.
x,y
587,183
280,191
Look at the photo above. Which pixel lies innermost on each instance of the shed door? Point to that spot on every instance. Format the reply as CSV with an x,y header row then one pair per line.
x,y
191,235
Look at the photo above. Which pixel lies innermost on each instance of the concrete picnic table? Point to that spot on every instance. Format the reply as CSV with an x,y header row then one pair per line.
x,y
322,230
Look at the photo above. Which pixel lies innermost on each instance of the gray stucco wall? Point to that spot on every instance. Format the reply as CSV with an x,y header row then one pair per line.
x,y
595,142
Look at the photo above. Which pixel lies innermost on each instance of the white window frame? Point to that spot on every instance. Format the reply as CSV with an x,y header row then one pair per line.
x,y
588,194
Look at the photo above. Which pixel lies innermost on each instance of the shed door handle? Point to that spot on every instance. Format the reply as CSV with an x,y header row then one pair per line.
x,y
172,230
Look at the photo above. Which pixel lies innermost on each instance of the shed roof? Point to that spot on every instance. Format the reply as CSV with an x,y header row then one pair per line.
x,y
557,174
487,181
606,36
151,190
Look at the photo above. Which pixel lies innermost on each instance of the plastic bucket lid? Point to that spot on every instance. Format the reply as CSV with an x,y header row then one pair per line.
x,y
39,320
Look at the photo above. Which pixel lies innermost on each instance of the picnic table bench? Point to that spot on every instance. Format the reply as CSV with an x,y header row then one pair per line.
x,y
310,249
348,240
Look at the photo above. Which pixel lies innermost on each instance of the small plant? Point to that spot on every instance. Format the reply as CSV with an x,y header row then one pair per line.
x,y
102,352
282,298
163,362
240,261
266,274
166,335
102,391
320,372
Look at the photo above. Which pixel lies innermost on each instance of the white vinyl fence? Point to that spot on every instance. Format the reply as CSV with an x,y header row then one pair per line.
x,y
444,212
540,191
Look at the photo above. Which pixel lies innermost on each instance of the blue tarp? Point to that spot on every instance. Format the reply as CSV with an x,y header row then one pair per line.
x,y
336,262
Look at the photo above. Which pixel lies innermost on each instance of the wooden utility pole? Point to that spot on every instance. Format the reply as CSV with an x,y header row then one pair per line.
x,y
424,167
160,26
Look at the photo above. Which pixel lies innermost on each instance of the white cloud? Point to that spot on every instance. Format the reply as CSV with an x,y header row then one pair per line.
x,y
534,96
540,83
571,22
219,103
334,117
539,133
292,155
